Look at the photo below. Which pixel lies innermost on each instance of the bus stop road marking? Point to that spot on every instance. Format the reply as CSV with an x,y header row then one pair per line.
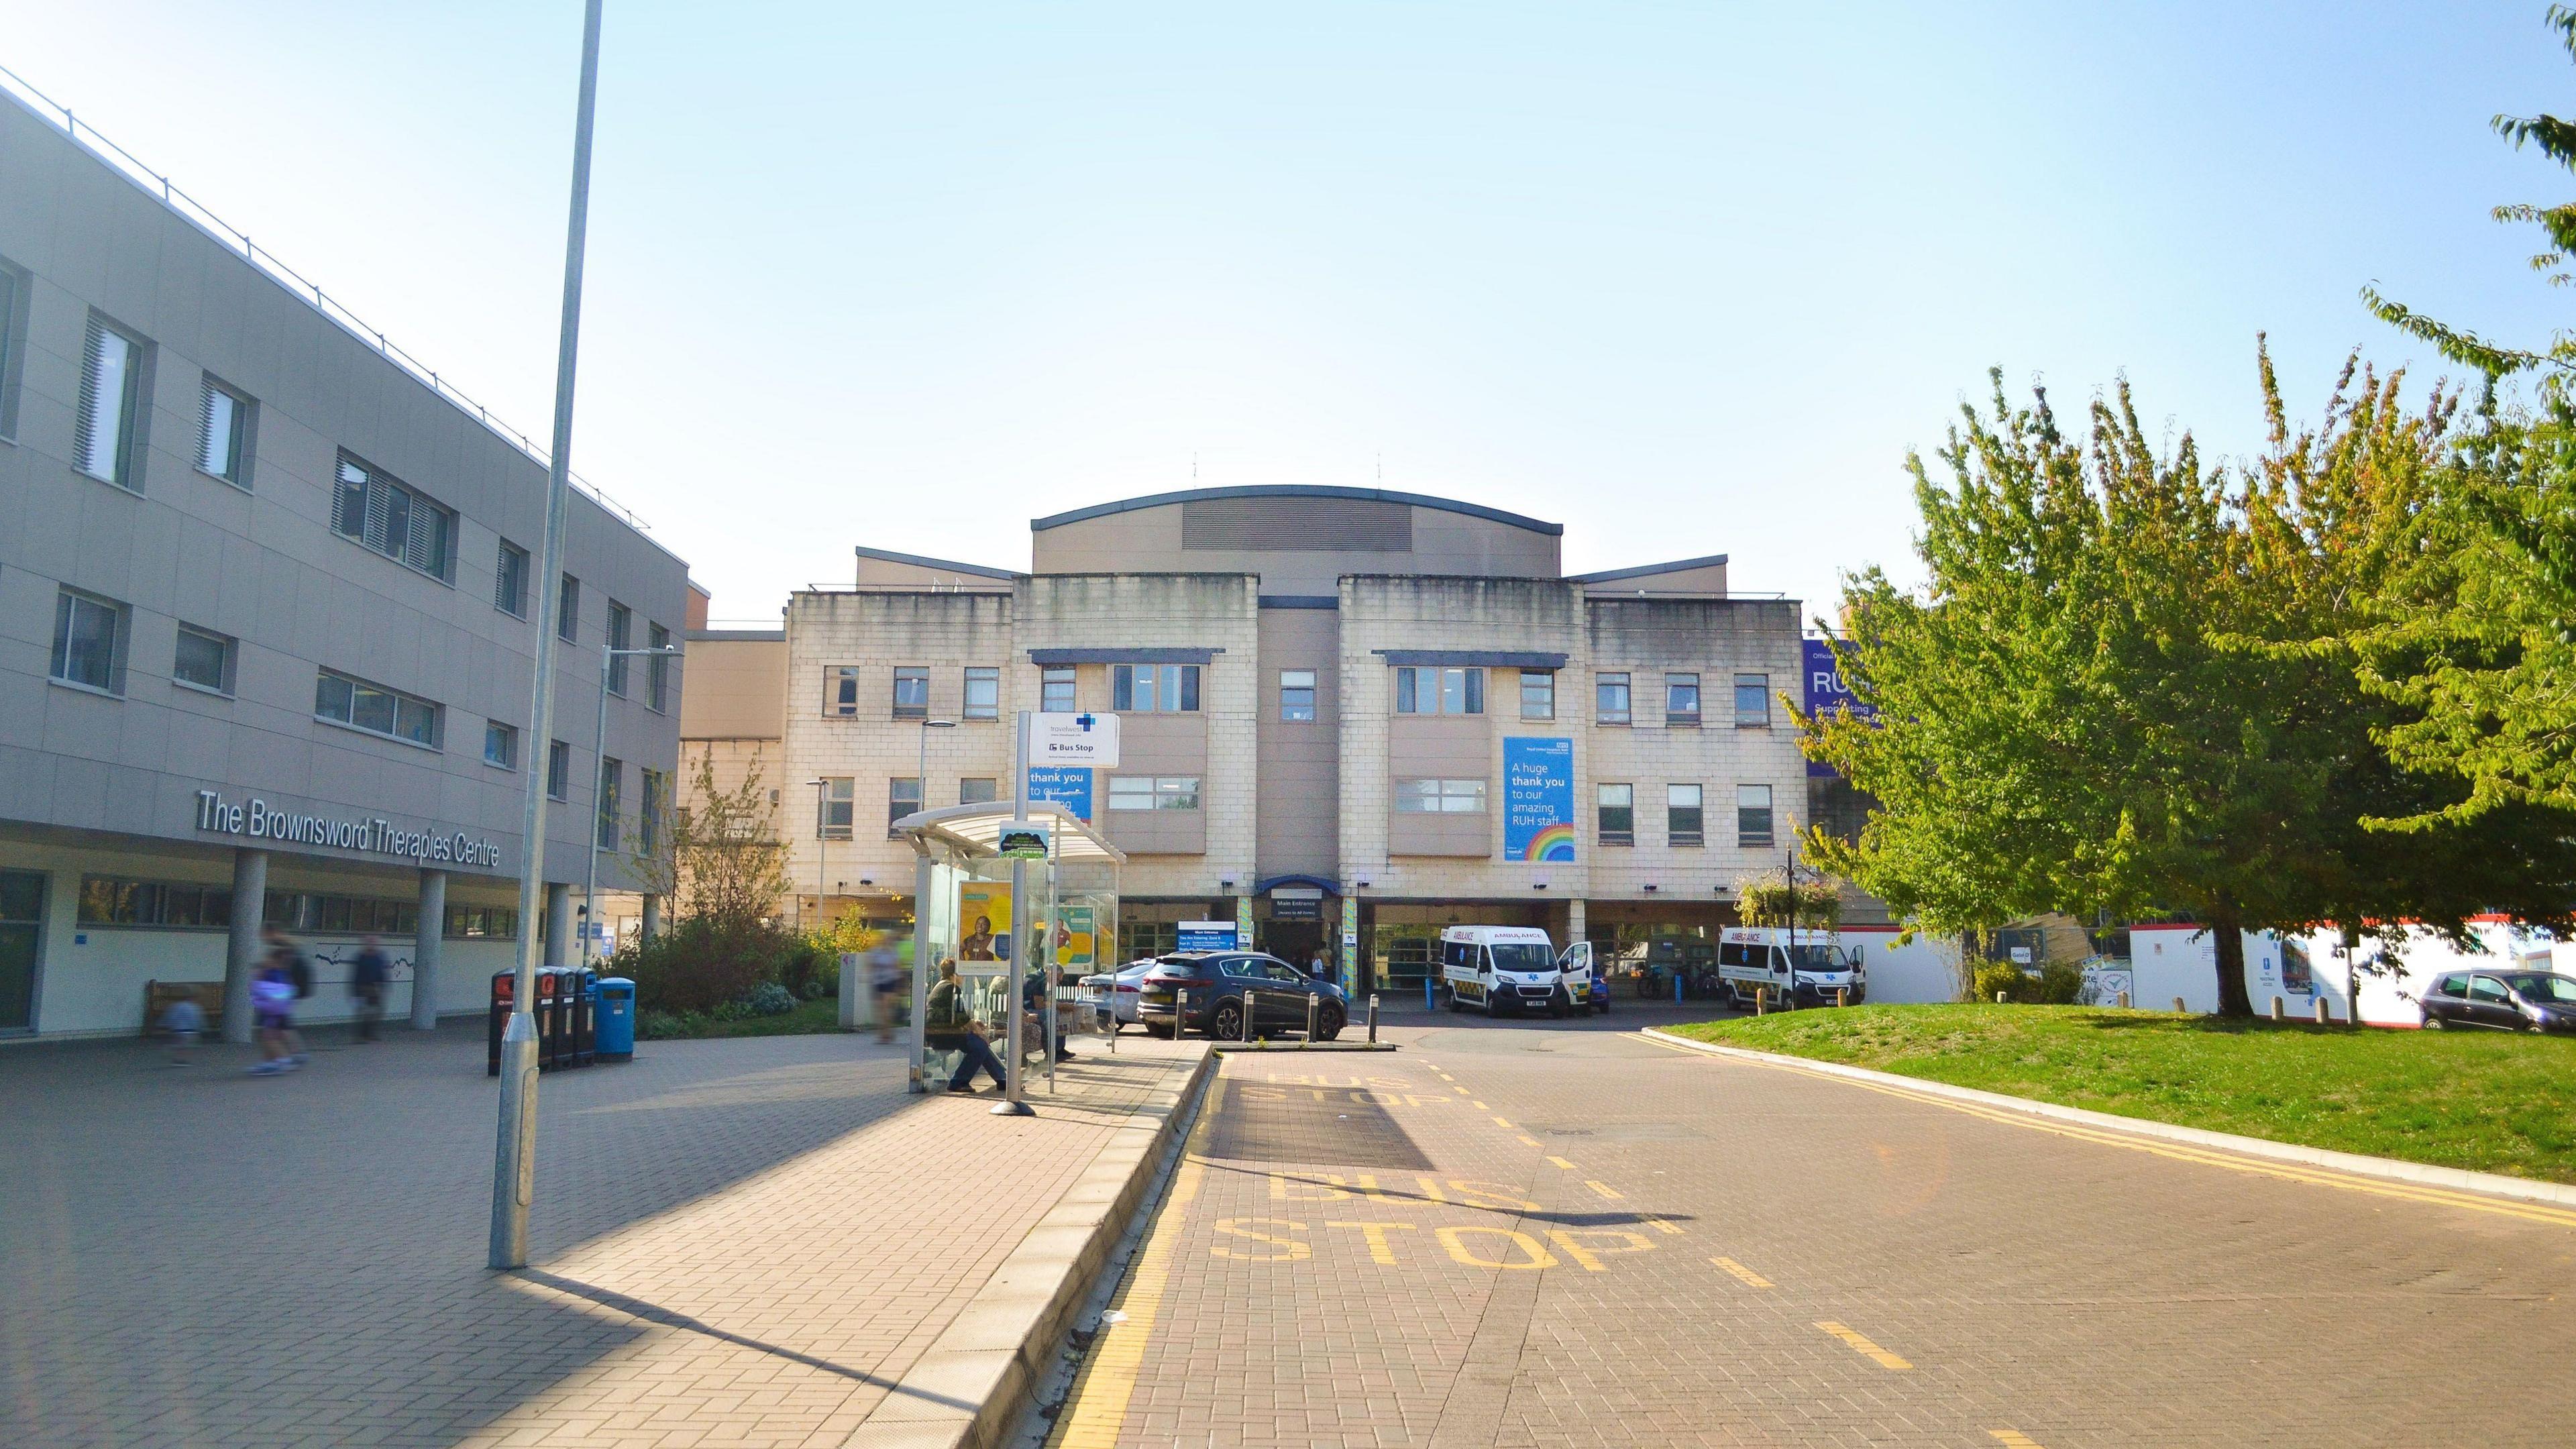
x,y
1559,1161
2013,1439
1605,1189
1864,1347
1747,1276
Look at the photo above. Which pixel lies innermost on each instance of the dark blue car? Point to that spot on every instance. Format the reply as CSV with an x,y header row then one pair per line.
x,y
1206,991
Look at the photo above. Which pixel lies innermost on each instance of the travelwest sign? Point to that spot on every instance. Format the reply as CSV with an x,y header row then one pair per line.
x,y
363,835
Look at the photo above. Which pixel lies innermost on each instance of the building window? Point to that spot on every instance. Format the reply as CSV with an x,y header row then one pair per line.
x,y
1538,694
903,797
836,807
1682,815
1153,792
621,635
1753,701
657,670
115,901
1055,689
105,435
912,692
559,771
1618,814
500,744
568,610
13,342
841,690
204,660
224,433
1440,797
500,923
1439,691
1753,815
1610,698
983,694
650,810
345,699
353,915
1681,701
978,790
510,581
612,800
89,641
1154,688
1297,695
389,516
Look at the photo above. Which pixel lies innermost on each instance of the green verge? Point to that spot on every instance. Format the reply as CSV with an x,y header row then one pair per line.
x,y
2491,1101
808,1017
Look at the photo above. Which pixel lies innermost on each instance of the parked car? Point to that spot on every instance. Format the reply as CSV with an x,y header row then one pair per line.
x,y
2503,1000
1112,994
1206,990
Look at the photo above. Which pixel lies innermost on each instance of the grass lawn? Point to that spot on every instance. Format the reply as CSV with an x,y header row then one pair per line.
x,y
808,1017
2492,1101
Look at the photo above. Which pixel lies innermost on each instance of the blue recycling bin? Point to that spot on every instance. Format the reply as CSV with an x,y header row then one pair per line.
x,y
613,1034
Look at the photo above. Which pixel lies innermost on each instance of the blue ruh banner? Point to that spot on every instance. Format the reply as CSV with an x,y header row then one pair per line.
x,y
1538,799
1827,693
1066,785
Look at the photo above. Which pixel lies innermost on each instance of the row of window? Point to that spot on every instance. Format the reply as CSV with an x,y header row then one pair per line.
x,y
371,507
1685,818
1419,689
119,901
836,798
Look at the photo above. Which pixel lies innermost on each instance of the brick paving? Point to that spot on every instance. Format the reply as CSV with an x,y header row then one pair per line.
x,y
1896,1273
734,1242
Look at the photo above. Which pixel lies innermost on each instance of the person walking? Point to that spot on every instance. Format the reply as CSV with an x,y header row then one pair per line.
x,y
885,983
948,1025
296,969
272,1002
1318,968
367,977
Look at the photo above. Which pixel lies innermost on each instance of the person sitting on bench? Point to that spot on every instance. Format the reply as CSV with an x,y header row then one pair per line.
x,y
950,1026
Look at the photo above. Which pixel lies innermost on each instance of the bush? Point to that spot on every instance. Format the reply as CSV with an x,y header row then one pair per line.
x,y
2003,976
2056,983
769,999
2060,982
698,965
661,1024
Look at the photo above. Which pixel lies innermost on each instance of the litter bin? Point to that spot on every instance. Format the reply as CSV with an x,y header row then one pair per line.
x,y
585,1017
503,983
614,1031
548,1007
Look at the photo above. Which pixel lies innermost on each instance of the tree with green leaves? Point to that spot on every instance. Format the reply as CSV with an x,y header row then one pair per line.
x,y
2111,694
2477,639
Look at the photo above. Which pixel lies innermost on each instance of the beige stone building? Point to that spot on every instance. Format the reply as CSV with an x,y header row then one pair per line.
x,y
1342,710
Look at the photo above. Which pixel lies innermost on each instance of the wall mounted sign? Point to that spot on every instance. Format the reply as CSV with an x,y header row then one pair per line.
x,y
360,835
1065,785
1826,691
1538,799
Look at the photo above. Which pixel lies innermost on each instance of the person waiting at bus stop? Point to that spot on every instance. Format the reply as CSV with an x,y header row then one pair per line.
x,y
950,1026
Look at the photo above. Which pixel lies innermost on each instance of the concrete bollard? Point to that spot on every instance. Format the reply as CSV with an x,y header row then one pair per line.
x,y
2325,1014
1842,996
1761,997
2179,1008
1251,1009
2124,1001
2002,996
2277,1014
1311,1002
1372,1018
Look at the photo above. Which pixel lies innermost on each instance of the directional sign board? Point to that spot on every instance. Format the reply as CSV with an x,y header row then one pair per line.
x,y
1073,739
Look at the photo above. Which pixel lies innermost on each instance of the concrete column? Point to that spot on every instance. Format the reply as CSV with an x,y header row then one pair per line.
x,y
1574,920
652,917
558,921
241,960
425,948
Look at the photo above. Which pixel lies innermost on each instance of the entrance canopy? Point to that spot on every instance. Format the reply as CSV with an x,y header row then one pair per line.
x,y
972,832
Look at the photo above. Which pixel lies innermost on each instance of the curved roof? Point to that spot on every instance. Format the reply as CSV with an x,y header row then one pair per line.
x,y
1300,490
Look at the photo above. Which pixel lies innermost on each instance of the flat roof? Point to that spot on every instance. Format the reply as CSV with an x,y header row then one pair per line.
x,y
1299,490
944,565
1643,571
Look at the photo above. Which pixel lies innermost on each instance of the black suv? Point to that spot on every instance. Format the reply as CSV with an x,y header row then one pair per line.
x,y
2508,1000
1205,991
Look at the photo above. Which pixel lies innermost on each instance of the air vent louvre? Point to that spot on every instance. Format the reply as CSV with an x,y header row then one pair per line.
x,y
1300,525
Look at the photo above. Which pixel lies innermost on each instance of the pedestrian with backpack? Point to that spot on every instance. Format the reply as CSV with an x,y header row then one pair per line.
x,y
288,978
367,977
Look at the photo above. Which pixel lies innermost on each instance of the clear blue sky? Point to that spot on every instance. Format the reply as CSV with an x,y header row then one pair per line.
x,y
1690,279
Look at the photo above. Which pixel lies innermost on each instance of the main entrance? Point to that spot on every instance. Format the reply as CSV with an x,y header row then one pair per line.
x,y
22,912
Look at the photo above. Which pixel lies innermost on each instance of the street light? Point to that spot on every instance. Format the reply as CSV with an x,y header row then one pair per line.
x,y
823,838
514,1148
599,747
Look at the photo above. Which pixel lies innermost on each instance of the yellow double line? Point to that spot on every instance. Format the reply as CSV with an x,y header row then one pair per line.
x,y
2185,1152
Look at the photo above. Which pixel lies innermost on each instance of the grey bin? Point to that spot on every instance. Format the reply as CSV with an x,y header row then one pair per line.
x,y
615,1032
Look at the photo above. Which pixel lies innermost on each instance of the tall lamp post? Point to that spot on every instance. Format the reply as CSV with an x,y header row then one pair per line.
x,y
514,1150
921,767
599,746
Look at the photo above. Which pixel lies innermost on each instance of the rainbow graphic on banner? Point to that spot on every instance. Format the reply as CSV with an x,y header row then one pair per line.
x,y
1555,842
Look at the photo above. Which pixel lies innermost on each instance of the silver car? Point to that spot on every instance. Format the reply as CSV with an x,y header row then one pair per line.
x,y
1112,995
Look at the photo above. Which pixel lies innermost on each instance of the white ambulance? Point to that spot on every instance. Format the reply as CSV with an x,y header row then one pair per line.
x,y
1806,967
1510,968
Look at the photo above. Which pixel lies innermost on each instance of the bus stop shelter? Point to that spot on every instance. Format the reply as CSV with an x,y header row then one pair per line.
x,y
964,909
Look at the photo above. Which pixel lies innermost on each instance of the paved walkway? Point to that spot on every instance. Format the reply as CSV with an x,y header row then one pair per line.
x,y
1547,1234
736,1242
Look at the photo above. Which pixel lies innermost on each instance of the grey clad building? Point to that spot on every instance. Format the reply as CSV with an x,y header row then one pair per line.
x,y
266,603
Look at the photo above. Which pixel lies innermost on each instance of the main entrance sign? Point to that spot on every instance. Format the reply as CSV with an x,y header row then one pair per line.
x,y
363,835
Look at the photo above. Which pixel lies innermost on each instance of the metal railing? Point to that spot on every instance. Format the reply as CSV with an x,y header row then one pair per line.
x,y
197,214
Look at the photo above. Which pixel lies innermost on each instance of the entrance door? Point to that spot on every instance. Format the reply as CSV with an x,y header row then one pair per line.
x,y
1294,942
22,913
